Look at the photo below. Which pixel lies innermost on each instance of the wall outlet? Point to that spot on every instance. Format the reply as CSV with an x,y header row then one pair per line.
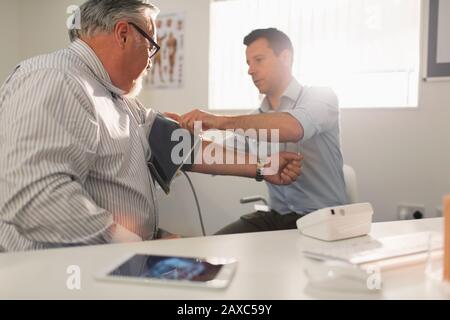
x,y
410,211
439,211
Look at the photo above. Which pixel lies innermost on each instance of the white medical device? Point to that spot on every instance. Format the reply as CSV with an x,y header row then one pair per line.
x,y
337,223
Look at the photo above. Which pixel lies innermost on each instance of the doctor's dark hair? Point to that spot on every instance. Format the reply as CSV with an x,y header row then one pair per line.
x,y
101,16
277,39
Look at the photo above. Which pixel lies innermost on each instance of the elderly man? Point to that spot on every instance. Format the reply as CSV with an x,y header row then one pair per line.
x,y
73,138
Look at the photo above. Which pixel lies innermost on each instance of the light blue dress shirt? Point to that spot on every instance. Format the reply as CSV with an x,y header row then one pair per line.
x,y
321,183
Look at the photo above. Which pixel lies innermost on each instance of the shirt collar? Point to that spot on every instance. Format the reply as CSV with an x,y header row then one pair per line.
x,y
292,93
89,57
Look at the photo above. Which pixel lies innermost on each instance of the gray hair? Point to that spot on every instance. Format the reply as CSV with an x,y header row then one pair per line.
x,y
101,16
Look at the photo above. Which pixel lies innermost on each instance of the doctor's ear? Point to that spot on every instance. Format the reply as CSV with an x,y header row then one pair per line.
x,y
286,58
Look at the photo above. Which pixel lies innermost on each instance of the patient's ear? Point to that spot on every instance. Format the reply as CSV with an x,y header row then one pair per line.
x,y
121,33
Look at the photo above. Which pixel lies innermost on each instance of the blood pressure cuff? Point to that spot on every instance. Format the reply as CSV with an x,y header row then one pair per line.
x,y
172,149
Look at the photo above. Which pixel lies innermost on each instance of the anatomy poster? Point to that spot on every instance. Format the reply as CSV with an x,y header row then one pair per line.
x,y
167,70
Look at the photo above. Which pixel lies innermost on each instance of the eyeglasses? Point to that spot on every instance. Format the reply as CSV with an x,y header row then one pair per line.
x,y
154,47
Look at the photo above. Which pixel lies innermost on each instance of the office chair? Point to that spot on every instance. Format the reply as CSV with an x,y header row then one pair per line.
x,y
351,188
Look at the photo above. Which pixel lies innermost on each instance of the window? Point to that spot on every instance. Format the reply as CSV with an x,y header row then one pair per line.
x,y
366,50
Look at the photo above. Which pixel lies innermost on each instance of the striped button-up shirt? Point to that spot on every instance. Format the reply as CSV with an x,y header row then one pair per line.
x,y
73,153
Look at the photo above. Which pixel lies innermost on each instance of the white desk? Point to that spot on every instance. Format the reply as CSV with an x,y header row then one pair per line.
x,y
270,267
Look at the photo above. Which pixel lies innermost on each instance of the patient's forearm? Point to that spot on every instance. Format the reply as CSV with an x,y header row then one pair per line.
x,y
242,170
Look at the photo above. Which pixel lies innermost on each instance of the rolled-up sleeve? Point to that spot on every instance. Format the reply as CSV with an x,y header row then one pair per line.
x,y
317,112
49,139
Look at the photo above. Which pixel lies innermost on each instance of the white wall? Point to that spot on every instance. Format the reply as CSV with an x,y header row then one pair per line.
x,y
196,51
43,25
402,156
9,35
399,155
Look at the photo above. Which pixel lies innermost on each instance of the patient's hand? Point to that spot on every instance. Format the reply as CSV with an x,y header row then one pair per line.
x,y
166,235
283,168
172,236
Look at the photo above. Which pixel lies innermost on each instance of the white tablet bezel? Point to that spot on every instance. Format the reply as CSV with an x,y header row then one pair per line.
x,y
221,281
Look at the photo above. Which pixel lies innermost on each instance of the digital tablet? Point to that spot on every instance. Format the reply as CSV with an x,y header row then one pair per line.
x,y
148,269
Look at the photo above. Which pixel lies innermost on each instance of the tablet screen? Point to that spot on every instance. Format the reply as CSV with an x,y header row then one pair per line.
x,y
167,268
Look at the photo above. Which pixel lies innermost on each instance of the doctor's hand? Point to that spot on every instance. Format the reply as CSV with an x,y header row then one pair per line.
x,y
209,120
173,116
283,168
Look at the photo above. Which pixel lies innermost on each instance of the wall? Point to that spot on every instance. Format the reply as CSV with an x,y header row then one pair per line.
x,y
43,26
195,90
399,155
9,35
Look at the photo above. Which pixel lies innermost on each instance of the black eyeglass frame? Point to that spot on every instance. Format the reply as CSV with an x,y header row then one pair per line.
x,y
155,47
